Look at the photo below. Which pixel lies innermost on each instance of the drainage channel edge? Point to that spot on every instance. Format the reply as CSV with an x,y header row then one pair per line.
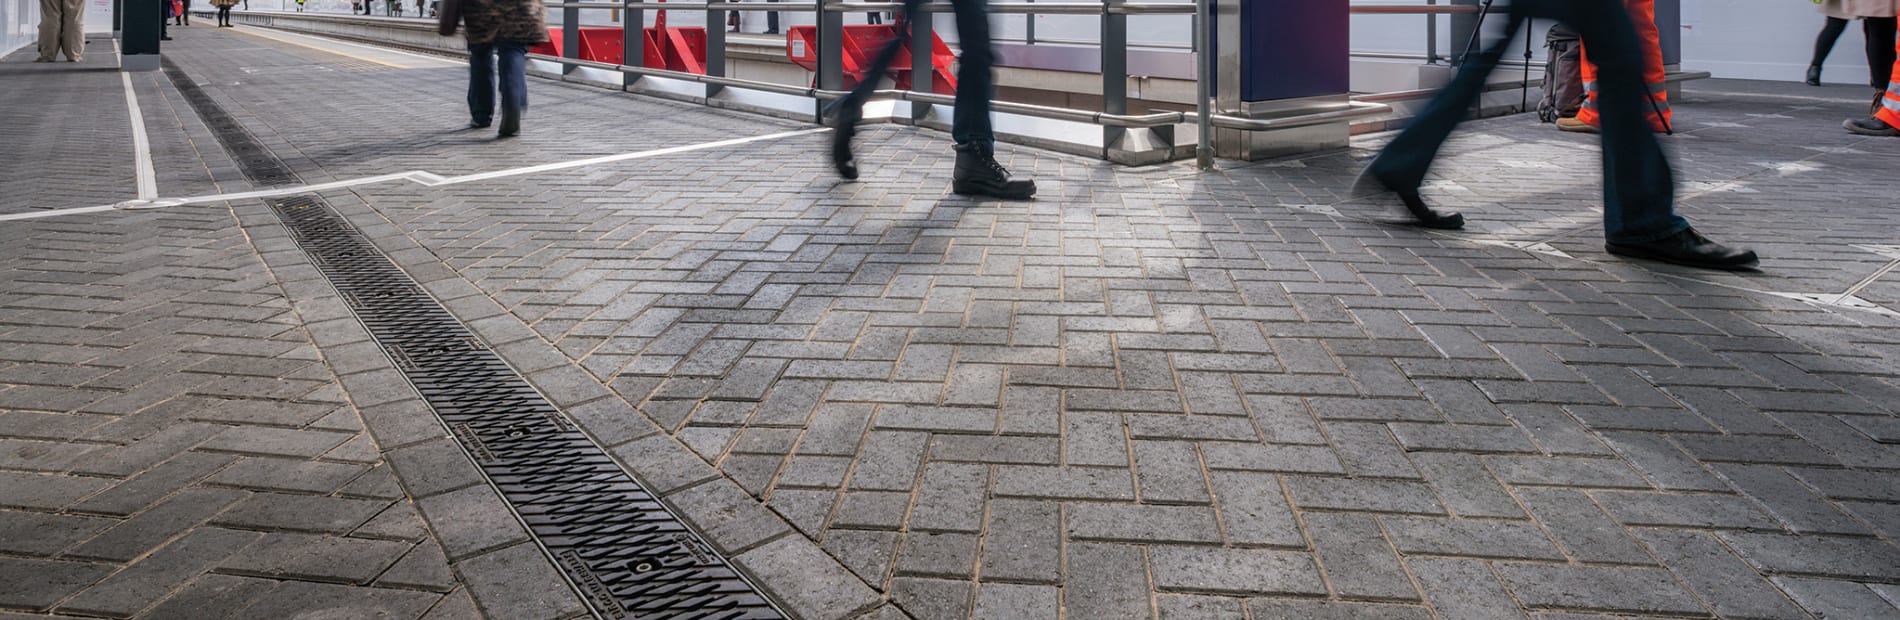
x,y
620,548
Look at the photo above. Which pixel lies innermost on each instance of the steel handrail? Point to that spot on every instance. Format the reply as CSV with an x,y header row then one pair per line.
x,y
1411,9
1049,8
1355,109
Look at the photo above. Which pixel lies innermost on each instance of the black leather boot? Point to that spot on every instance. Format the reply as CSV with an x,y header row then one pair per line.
x,y
1687,248
978,174
510,123
1422,214
1814,75
1870,126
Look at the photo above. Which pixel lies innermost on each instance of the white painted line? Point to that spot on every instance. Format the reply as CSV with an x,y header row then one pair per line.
x,y
419,177
141,146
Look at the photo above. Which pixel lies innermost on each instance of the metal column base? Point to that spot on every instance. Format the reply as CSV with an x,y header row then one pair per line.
x,y
1144,146
138,62
1257,145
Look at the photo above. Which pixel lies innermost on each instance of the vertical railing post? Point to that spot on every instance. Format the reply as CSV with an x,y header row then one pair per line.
x,y
1203,83
570,36
1114,69
1462,26
715,47
923,61
633,39
1431,35
830,53
1029,27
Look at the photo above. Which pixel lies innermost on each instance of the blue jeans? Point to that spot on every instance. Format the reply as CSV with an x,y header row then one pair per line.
x,y
1638,187
976,82
481,79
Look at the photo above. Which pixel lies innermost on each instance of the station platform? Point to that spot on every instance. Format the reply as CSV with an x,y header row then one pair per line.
x,y
281,337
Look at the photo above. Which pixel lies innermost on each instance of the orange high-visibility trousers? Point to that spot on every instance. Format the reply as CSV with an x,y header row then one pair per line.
x,y
1643,14
1889,111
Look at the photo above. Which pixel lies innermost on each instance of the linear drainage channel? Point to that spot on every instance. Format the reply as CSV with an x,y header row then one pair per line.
x,y
621,548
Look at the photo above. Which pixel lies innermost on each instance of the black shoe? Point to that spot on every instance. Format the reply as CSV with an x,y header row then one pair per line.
x,y
1423,215
1687,248
164,38
845,127
1870,126
1814,75
978,174
510,124
478,124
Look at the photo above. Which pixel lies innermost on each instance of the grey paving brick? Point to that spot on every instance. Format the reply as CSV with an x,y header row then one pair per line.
x,y
1484,538
471,521
1566,471
1463,589
1821,556
1254,510
1330,610
1789,501
868,554
41,534
1008,601
1728,585
143,532
318,599
1466,486
1094,439
1169,472
932,599
1023,542
1271,458
35,585
268,441
889,461
276,474
212,596
1684,510
518,582
423,568
938,554
314,557
278,511
149,579
1142,523
1064,482
731,520
1636,590
1234,571
1582,528
1837,599
1358,494
1358,561
1106,581
1662,462
951,497
827,589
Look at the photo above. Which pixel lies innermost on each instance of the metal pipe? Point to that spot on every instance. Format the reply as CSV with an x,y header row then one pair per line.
x,y
1356,109
1431,35
1409,9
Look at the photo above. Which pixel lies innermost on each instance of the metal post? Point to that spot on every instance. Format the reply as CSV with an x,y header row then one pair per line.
x,y
1029,27
1114,69
1463,29
570,36
633,38
830,54
1203,99
1431,35
923,62
715,47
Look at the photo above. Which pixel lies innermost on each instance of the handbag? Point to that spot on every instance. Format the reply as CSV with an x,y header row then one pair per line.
x,y
448,15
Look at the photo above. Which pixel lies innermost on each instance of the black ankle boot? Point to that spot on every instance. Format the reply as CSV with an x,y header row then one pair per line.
x,y
1422,214
844,127
978,174
1814,75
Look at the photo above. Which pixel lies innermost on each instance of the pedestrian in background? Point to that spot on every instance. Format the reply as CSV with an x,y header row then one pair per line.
x,y
62,29
1876,23
1885,120
496,29
224,11
184,10
1639,217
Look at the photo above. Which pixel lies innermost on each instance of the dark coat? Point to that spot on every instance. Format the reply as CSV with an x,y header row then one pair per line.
x,y
488,21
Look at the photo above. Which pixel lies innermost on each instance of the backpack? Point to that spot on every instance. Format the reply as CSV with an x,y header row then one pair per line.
x,y
1563,75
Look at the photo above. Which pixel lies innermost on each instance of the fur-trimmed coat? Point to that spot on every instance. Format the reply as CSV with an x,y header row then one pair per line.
x,y
488,21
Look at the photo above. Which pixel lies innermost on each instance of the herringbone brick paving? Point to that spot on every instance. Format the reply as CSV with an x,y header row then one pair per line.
x,y
1156,392
172,445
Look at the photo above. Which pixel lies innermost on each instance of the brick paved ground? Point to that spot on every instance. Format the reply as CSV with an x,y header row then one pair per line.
x,y
1152,392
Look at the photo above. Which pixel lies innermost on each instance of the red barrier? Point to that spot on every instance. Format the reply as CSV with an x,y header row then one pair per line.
x,y
676,49
861,43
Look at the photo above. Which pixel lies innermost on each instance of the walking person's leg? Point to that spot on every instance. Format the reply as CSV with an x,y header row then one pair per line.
x,y
187,12
481,84
72,29
1880,55
49,30
514,84
1824,45
771,21
976,170
847,111
1401,166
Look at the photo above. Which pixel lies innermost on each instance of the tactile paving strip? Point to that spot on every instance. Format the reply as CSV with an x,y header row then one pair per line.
x,y
622,549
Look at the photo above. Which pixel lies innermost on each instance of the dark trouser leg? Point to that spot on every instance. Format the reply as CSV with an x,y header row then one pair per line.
x,y
481,83
514,76
851,105
976,82
1824,42
771,21
1880,33
1638,186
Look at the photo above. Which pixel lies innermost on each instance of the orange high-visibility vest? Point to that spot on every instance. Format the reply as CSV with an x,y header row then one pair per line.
x,y
1643,15
1889,111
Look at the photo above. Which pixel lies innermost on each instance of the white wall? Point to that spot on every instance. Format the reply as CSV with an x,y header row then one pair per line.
x,y
19,24
1764,40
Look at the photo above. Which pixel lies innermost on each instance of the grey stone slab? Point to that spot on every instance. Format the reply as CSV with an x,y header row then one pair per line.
x,y
318,600
1331,610
729,518
1011,601
147,530
1480,538
1821,556
1358,561
1613,589
938,554
1684,510
1363,494
212,596
1725,582
1837,599
1254,510
932,599
1582,527
424,568
278,474
1023,541
1463,589
41,534
1142,523
518,582
433,468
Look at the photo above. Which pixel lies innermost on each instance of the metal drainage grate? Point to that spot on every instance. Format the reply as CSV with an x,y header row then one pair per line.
x,y
623,550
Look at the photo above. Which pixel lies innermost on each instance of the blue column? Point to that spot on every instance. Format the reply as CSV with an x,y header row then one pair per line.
x,y
1293,49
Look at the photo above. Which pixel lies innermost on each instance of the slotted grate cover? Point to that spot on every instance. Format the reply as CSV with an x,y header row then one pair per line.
x,y
622,549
